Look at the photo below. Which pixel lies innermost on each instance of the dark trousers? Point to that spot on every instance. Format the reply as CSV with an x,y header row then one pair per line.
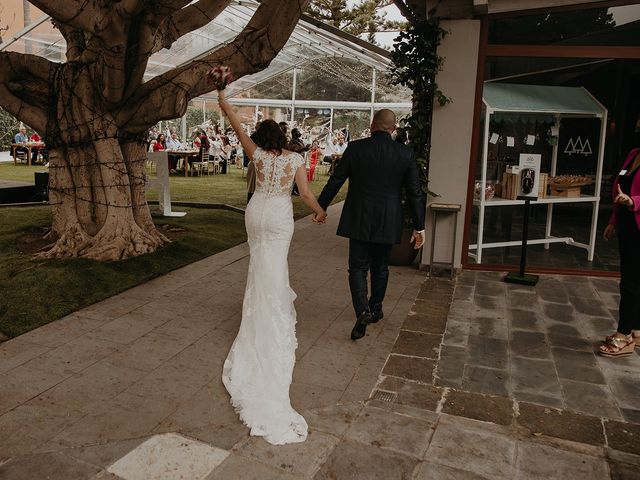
x,y
365,257
629,242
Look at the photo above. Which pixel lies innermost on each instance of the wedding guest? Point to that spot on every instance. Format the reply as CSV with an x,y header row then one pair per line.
x,y
314,155
173,144
21,137
161,143
35,150
625,220
205,144
296,144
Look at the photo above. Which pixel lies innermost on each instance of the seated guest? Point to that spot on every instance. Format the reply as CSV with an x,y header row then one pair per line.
x,y
296,144
205,145
21,137
43,150
173,144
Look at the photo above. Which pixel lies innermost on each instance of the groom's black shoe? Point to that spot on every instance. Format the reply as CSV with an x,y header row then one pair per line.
x,y
360,328
376,316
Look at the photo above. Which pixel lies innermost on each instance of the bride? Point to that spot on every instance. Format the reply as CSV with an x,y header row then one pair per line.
x,y
257,372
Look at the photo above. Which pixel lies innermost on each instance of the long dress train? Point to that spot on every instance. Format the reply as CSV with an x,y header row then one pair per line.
x,y
258,370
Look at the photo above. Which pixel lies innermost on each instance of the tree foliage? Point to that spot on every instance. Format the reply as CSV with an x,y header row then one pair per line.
x,y
357,18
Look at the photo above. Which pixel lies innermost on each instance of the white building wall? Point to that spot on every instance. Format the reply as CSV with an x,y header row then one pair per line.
x,y
451,135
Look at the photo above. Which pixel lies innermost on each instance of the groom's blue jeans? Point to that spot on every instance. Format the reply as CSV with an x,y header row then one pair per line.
x,y
365,257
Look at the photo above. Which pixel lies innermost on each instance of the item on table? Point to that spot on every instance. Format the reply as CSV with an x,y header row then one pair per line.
x,y
489,191
570,180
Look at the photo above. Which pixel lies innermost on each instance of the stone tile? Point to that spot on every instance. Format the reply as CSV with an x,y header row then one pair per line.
x,y
23,383
623,472
334,420
26,428
457,333
62,331
608,285
417,344
148,352
538,399
590,399
571,342
631,415
410,368
523,299
304,395
529,344
75,356
355,461
391,431
485,380
486,408
562,329
625,390
560,424
46,465
524,320
588,306
105,454
433,471
597,328
490,327
169,457
130,326
236,467
15,352
463,292
535,377
542,461
302,459
487,352
489,288
623,436
451,366
412,394
578,366
225,437
417,322
487,303
330,368
558,312
477,447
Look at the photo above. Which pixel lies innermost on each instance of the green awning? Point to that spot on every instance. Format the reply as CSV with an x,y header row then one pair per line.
x,y
540,99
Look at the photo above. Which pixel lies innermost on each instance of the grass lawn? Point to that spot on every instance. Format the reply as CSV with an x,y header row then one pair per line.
x,y
36,292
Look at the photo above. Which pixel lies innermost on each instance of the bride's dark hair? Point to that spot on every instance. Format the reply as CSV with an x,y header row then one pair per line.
x,y
271,136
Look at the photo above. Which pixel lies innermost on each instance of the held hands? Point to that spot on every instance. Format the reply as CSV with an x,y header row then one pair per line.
x,y
417,238
609,231
623,199
319,218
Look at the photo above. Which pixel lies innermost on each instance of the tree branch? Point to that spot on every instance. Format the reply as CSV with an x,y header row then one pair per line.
x,y
25,86
81,14
168,95
187,20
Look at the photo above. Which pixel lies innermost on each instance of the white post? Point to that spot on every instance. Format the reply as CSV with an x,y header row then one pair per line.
x,y
373,93
183,129
204,111
596,204
552,173
485,154
331,122
256,117
293,94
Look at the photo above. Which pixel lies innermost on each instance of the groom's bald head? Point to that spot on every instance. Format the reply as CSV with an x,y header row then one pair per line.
x,y
384,120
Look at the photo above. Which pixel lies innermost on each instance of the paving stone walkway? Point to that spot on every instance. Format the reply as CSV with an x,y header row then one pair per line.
x,y
130,387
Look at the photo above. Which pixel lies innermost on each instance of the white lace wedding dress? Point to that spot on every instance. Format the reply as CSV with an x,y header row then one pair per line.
x,y
257,372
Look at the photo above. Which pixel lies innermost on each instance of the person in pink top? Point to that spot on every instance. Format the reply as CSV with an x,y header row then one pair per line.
x,y
625,220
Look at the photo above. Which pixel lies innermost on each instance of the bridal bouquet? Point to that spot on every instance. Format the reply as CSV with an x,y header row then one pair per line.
x,y
220,76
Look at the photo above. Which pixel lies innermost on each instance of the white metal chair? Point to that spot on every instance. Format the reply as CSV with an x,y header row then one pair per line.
x,y
197,168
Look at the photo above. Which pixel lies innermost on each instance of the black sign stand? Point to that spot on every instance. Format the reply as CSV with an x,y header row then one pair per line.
x,y
521,278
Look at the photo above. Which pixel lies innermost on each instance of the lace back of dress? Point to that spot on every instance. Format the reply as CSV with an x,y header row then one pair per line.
x,y
275,173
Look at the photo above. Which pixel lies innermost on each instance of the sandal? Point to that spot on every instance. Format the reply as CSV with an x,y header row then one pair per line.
x,y
618,346
634,333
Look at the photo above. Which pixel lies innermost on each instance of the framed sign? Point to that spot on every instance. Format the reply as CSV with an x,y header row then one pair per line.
x,y
529,177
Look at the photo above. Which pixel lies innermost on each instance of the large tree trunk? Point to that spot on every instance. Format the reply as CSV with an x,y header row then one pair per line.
x,y
94,109
96,181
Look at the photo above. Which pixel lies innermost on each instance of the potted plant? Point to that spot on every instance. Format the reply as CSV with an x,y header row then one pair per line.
x,y
415,65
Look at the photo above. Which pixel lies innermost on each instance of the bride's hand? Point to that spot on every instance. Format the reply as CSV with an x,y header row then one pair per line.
x,y
319,217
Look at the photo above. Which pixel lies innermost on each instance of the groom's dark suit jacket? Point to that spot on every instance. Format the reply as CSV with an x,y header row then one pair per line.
x,y
378,168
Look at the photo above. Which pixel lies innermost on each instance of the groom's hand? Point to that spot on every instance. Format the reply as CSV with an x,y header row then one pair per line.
x,y
417,238
319,217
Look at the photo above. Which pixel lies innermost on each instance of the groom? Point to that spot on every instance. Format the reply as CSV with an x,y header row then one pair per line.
x,y
377,168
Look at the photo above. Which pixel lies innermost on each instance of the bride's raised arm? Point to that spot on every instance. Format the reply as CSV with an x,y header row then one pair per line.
x,y
248,145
